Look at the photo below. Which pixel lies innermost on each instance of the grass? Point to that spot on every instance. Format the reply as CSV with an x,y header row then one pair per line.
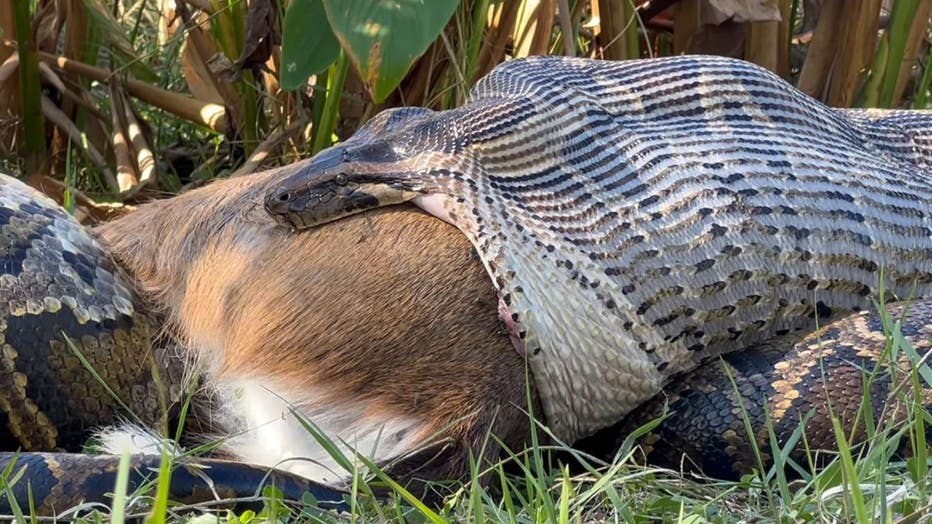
x,y
863,483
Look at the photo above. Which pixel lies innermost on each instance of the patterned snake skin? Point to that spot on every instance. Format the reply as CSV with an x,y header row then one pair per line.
x,y
705,424
804,381
57,282
641,217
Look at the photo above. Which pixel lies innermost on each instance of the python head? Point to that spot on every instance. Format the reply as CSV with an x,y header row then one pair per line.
x,y
388,161
331,187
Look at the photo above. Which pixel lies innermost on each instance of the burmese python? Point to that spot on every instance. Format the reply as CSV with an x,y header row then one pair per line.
x,y
704,424
57,280
67,314
46,252
640,217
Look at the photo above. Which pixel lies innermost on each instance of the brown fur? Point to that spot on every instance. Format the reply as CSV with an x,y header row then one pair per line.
x,y
388,307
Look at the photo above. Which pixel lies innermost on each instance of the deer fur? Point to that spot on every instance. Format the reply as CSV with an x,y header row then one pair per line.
x,y
382,329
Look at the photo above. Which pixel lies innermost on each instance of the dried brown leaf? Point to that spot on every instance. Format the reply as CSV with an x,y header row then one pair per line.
x,y
717,11
126,172
9,68
87,211
262,35
49,76
215,62
213,116
265,149
196,75
145,160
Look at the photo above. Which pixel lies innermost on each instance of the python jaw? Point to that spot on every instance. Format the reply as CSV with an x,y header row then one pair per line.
x,y
331,188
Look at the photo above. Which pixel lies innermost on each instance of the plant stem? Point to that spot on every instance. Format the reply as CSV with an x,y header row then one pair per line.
x,y
335,79
480,12
904,12
30,90
632,31
922,91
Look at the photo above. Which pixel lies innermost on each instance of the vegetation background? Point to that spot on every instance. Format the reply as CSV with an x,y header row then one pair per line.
x,y
104,104
126,100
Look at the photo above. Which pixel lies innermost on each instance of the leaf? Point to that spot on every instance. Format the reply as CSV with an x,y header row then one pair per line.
x,y
384,37
261,35
716,12
308,44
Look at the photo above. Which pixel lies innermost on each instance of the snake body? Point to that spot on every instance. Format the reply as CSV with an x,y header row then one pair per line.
x,y
65,310
53,242
846,371
640,217
58,483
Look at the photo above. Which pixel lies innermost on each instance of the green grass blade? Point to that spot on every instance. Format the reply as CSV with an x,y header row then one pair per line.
x,y
752,437
566,493
160,507
100,380
507,501
779,456
400,490
118,511
920,365
850,477
7,480
33,518
475,493
537,474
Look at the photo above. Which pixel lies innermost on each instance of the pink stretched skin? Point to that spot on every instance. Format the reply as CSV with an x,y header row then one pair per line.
x,y
435,205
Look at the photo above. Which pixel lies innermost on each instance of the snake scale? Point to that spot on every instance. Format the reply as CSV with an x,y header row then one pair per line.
x,y
640,217
806,382
62,300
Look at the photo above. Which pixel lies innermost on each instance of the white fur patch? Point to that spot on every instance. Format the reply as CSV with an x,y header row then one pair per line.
x,y
129,438
264,431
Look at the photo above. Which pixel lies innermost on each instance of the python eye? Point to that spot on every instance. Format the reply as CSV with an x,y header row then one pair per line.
x,y
340,179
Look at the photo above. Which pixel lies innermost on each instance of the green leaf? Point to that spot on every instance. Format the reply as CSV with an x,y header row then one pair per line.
x,y
384,37
308,44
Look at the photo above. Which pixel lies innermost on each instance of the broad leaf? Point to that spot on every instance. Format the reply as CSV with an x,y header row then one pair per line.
x,y
308,44
384,37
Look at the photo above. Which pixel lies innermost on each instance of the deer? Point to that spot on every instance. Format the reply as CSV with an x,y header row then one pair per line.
x,y
381,330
